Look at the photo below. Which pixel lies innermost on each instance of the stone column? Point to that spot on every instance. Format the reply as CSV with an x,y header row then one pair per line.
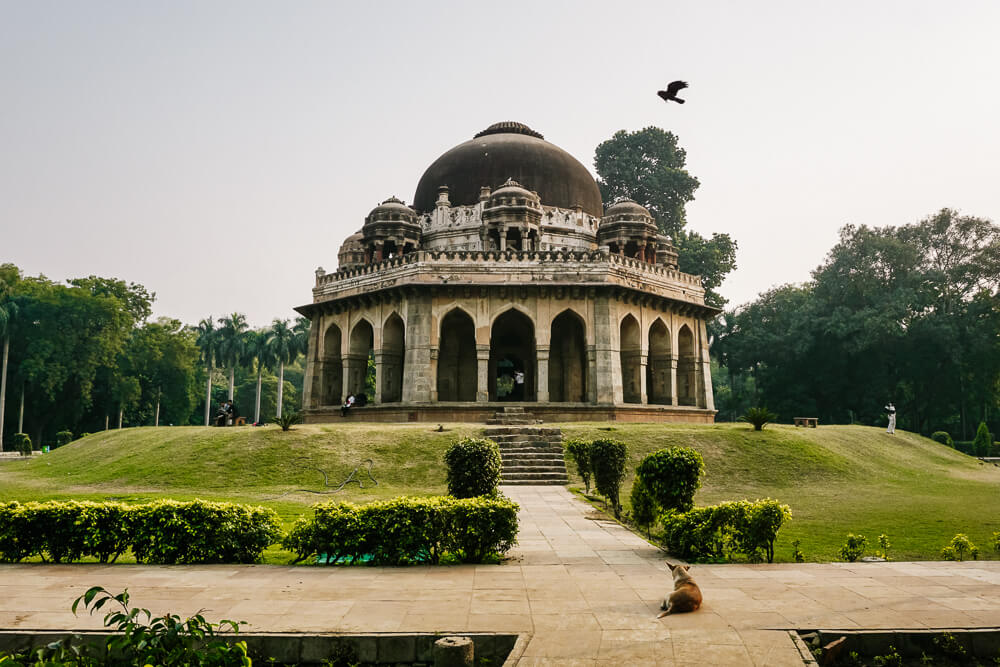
x,y
483,368
607,362
643,363
591,374
673,379
433,373
418,378
379,252
379,375
706,369
355,372
314,369
542,390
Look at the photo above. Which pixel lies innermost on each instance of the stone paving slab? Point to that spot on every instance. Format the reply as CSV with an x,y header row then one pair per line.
x,y
583,592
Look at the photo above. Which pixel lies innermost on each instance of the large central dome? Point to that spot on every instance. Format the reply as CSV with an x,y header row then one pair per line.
x,y
509,151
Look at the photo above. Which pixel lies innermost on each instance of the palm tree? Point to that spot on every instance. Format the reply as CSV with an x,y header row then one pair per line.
x,y
8,311
301,331
282,343
232,344
208,342
259,349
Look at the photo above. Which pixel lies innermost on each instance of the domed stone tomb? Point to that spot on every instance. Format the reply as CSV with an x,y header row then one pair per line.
x,y
506,282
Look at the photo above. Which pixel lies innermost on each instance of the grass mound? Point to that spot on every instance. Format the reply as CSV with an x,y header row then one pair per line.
x,y
837,479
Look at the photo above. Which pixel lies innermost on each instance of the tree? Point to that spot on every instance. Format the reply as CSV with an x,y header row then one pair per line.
x,y
9,275
162,356
232,344
207,339
648,166
260,351
282,344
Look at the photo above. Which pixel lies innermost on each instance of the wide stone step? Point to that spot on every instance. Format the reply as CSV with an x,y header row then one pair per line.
x,y
530,456
557,477
532,451
509,420
516,471
534,482
524,437
523,430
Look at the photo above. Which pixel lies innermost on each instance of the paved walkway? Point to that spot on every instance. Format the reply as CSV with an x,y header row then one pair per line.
x,y
585,591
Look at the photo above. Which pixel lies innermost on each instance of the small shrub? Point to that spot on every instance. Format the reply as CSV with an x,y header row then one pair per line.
x,y
758,417
996,541
854,547
948,645
965,446
64,438
747,528
797,554
607,459
643,506
579,451
22,443
983,441
890,659
672,476
942,437
884,546
960,547
288,419
474,467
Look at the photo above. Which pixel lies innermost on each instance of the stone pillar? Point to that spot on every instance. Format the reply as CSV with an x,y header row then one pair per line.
x,y
355,372
418,378
379,249
706,369
591,374
434,373
673,379
314,369
641,255
483,368
607,361
503,237
542,391
643,395
379,376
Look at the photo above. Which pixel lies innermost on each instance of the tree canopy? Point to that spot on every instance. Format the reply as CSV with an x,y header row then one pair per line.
x,y
649,166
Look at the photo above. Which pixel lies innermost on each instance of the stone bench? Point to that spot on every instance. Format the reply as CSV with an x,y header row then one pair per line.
x,y
806,421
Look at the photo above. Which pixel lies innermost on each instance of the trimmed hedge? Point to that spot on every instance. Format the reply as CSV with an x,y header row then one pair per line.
x,y
163,532
942,437
406,530
607,461
474,467
672,477
720,531
22,443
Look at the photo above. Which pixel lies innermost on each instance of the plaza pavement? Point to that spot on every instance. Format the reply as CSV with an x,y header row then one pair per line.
x,y
581,591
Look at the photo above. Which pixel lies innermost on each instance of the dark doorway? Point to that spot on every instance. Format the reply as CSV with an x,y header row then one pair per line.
x,y
658,370
457,371
512,358
333,368
631,351
568,359
393,351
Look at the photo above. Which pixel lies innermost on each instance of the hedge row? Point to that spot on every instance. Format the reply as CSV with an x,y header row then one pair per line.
x,y
719,531
406,530
162,532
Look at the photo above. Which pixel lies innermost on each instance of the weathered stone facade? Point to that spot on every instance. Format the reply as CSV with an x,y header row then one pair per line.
x,y
454,302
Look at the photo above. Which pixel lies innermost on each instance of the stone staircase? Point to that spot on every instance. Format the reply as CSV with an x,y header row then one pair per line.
x,y
511,416
531,454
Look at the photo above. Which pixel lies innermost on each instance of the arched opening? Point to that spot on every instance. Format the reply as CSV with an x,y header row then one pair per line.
x,y
457,370
333,368
390,364
512,358
631,350
362,341
568,359
687,368
658,368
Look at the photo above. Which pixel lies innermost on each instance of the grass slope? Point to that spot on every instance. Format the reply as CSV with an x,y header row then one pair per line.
x,y
837,479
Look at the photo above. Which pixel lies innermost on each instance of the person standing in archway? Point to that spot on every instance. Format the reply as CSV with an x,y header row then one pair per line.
x,y
518,385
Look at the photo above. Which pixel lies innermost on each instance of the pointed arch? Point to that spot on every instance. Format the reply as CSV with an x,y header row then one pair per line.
x,y
658,367
361,348
568,358
332,367
631,352
457,371
687,373
389,360
512,357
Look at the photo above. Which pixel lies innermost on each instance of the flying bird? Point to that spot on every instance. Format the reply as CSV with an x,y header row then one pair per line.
x,y
671,92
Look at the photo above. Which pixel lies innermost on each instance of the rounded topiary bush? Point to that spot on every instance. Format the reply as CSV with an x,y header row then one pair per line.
x,y
473,468
22,443
64,438
672,476
943,437
607,462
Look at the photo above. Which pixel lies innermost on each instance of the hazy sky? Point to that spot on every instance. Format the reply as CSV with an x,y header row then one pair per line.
x,y
218,152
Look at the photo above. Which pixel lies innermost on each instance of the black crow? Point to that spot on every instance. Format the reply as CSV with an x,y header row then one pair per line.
x,y
671,92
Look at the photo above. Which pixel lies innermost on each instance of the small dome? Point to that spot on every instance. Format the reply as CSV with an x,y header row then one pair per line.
x,y
352,251
391,209
512,188
627,209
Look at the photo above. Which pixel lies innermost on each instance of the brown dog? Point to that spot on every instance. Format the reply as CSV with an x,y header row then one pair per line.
x,y
686,595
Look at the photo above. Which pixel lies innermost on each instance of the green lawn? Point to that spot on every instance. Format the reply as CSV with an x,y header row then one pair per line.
x,y
837,479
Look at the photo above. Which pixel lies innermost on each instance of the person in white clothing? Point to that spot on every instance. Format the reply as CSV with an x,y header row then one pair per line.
x,y
891,409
